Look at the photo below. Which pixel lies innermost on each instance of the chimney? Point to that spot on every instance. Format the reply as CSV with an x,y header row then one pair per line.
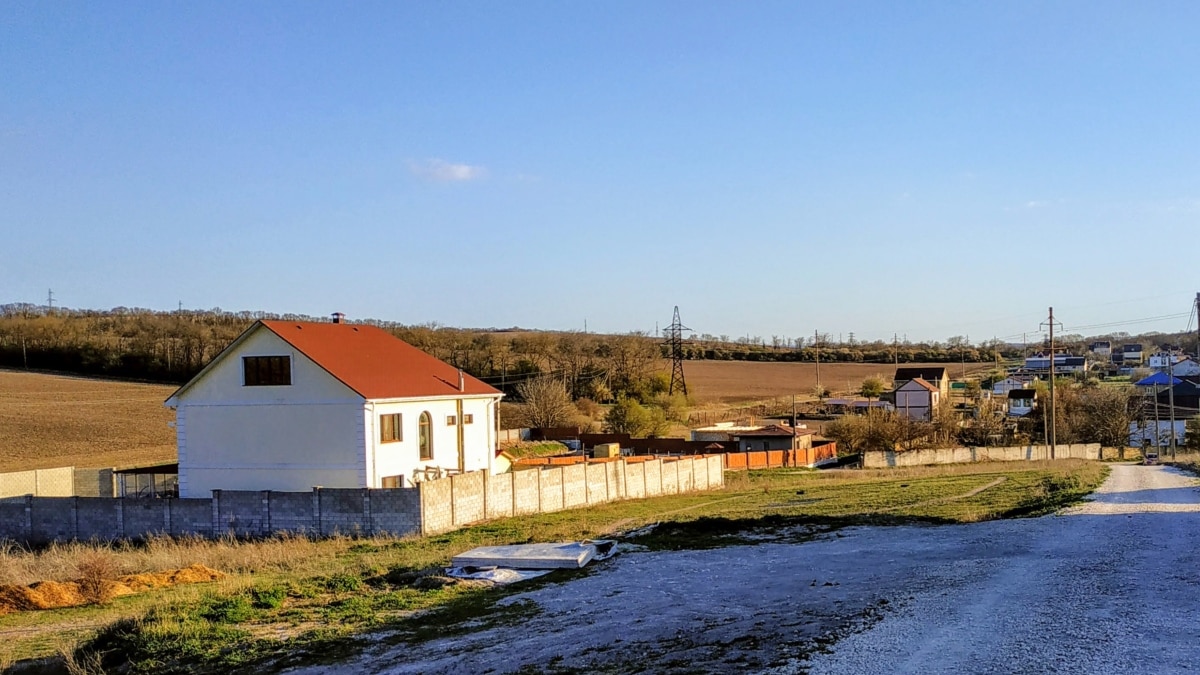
x,y
462,381
338,317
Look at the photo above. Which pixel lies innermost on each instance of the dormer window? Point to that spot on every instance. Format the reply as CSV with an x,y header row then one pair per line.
x,y
266,371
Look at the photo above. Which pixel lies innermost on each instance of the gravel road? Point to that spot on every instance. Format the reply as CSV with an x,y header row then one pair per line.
x,y
1111,586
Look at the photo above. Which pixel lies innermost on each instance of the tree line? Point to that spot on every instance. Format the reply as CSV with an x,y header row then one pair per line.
x,y
172,346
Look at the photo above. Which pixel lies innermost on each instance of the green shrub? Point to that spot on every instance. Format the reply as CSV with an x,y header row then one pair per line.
x,y
268,598
342,583
234,609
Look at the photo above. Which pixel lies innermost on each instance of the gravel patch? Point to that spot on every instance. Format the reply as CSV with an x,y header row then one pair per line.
x,y
1109,586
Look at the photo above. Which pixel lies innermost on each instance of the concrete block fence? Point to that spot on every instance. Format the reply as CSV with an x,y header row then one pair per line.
x,y
432,507
882,460
451,503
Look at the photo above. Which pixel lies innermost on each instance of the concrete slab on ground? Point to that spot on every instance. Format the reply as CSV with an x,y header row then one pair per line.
x,y
569,555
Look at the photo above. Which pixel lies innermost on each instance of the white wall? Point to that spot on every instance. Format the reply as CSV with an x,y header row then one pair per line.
x,y
269,447
916,403
402,458
233,437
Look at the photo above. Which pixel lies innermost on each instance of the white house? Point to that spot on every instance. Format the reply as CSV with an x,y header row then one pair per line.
x,y
1186,368
1021,402
1002,387
917,399
291,405
1063,364
1161,360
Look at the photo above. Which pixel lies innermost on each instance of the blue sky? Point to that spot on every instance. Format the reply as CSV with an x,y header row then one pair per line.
x,y
927,169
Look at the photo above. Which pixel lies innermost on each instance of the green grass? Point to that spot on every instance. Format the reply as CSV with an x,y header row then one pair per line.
x,y
261,621
526,450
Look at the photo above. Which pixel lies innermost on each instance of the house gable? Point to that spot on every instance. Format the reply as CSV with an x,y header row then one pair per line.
x,y
222,379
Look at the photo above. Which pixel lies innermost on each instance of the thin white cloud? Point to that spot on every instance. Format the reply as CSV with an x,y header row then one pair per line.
x,y
441,170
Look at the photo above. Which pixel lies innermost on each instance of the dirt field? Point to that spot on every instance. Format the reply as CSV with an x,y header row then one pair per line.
x,y
730,381
51,420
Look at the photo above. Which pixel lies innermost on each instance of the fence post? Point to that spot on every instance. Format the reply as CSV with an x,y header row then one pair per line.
x,y
368,525
28,517
421,506
265,528
216,514
316,509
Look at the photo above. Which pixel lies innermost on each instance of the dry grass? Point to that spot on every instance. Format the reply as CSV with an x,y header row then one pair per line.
x,y
76,560
53,420
732,381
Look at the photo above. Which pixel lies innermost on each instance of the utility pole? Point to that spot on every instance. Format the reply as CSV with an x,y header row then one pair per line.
x,y
964,358
896,347
817,351
50,299
1171,396
1198,328
1051,431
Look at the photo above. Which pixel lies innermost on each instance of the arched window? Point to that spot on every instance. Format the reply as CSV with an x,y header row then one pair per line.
x,y
425,435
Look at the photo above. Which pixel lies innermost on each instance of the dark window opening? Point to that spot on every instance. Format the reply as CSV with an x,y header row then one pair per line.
x,y
267,371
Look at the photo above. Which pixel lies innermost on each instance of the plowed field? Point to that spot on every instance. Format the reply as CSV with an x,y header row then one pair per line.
x,y
731,381
52,420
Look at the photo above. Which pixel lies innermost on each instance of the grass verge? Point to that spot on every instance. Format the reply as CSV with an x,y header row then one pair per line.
x,y
292,600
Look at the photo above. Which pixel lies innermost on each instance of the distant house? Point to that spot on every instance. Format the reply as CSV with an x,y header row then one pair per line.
x,y
935,375
291,405
1186,368
1021,402
1186,398
1161,360
917,399
1101,348
1157,380
1002,387
1132,355
1064,364
773,437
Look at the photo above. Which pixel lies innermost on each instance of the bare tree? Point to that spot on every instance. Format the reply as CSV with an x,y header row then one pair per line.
x,y
547,402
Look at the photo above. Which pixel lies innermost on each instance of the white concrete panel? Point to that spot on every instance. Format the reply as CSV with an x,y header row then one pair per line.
x,y
528,556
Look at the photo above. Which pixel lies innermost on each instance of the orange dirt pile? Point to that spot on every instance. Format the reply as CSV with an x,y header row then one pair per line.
x,y
189,575
60,594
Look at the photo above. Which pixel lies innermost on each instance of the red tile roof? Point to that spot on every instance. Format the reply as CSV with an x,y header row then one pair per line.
x,y
923,383
375,363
